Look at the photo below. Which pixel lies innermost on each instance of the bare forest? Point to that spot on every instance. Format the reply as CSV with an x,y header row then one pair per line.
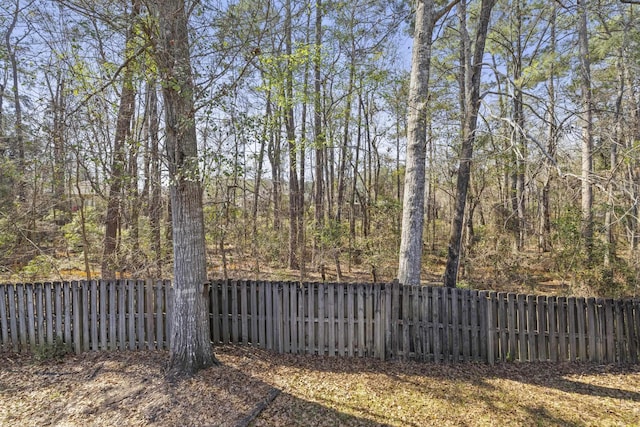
x,y
486,144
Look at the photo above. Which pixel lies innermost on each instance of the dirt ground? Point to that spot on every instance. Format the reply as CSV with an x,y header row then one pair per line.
x,y
254,387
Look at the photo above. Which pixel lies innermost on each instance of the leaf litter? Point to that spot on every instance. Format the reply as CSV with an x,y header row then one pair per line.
x,y
256,387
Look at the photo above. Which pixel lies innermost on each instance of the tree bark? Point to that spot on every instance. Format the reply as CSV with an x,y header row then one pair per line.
x,y
468,141
414,180
518,141
586,119
190,347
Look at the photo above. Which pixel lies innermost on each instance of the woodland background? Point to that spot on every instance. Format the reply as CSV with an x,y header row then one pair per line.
x,y
301,120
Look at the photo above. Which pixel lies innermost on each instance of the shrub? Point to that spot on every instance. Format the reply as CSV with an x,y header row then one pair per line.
x,y
51,351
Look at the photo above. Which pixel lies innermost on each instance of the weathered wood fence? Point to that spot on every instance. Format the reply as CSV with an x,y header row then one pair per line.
x,y
386,321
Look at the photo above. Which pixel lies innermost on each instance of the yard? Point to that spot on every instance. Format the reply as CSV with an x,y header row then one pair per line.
x,y
261,388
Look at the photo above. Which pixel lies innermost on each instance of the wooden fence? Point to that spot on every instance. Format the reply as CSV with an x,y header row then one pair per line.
x,y
386,321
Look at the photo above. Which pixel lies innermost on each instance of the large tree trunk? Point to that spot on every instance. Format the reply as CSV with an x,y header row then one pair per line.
x,y
410,259
190,344
414,180
468,141
586,119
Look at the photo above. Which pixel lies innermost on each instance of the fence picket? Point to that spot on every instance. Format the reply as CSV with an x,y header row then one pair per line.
x,y
331,316
131,318
571,322
312,319
541,328
22,317
437,324
139,315
561,309
214,311
254,336
501,318
13,316
291,329
122,313
235,330
367,328
102,308
491,328
31,327
321,318
591,327
511,327
269,314
379,298
352,293
83,291
4,321
76,311
94,301
475,327
427,324
301,316
582,333
631,336
48,307
160,313
40,334
244,313
224,313
452,323
113,315
553,329
58,310
340,318
149,300
609,331
280,315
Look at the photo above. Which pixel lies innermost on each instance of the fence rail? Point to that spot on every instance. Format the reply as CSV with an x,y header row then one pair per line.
x,y
386,321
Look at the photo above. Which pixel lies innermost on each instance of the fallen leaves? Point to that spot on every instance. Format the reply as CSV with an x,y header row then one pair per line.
x,y
260,388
